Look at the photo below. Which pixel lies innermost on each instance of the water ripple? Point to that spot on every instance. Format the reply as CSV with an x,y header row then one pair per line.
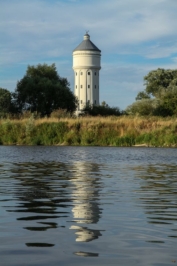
x,y
114,205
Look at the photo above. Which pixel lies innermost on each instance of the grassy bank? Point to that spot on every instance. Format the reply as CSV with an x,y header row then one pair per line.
x,y
98,131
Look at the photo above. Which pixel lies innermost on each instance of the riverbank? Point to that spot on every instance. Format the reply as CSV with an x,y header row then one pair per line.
x,y
95,131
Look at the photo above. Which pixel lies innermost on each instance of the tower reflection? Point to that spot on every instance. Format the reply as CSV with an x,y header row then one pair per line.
x,y
86,209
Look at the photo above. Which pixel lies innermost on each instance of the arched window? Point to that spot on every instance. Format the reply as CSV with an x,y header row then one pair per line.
x,y
88,73
88,86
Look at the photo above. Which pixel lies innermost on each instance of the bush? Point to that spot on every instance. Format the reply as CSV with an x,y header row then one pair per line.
x,y
142,107
102,110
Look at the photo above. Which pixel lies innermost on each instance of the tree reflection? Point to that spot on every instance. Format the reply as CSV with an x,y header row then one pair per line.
x,y
45,193
36,192
159,193
43,196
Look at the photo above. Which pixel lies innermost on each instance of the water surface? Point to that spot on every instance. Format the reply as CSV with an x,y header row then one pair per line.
x,y
88,206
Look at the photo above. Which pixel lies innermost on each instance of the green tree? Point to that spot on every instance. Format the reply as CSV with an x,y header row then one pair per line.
x,y
158,80
159,96
142,95
42,90
5,101
168,102
142,107
104,104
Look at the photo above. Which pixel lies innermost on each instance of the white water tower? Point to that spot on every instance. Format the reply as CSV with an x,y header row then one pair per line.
x,y
86,66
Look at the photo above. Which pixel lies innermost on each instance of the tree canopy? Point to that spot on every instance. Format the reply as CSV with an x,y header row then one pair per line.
x,y
42,90
158,80
5,101
159,96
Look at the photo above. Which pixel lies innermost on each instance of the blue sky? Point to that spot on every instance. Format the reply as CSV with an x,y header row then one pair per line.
x,y
135,37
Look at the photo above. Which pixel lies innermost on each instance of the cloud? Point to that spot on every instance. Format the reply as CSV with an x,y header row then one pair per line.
x,y
47,31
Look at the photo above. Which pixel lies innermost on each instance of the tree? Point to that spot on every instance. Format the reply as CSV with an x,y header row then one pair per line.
x,y
158,80
104,104
159,96
42,90
142,107
142,95
5,101
168,102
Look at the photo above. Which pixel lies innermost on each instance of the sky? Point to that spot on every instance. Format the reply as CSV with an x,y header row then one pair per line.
x,y
134,36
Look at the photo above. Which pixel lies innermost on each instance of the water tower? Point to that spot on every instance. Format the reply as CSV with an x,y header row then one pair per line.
x,y
86,66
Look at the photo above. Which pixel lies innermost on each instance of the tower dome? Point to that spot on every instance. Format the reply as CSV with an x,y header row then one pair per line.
x,y
86,44
86,66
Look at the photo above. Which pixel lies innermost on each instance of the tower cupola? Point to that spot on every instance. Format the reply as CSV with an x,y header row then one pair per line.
x,y
86,36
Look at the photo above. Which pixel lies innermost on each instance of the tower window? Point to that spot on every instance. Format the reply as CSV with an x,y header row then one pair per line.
x,y
81,101
88,86
88,101
88,73
95,86
81,73
95,101
81,86
95,73
76,86
76,73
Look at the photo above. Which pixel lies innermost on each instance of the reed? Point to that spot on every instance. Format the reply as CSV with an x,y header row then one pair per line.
x,y
96,131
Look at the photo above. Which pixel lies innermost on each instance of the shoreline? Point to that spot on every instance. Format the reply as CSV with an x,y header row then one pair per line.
x,y
123,131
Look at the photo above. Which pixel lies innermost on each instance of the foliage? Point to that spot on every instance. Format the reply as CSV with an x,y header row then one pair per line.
x,y
42,90
168,103
142,107
102,110
158,80
142,95
100,131
5,101
160,95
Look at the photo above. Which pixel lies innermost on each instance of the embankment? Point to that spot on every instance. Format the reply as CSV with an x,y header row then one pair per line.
x,y
95,131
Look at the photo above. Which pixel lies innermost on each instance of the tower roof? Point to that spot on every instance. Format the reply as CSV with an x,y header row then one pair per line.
x,y
86,44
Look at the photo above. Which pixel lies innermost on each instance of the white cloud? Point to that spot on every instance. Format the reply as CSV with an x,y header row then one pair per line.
x,y
47,31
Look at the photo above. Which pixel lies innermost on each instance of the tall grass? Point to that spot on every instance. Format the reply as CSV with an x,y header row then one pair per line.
x,y
98,131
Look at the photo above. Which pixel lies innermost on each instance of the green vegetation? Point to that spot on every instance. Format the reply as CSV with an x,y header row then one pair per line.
x,y
41,112
93,131
102,110
160,95
42,90
5,102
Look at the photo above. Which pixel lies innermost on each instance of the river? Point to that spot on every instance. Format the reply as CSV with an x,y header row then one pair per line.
x,y
88,206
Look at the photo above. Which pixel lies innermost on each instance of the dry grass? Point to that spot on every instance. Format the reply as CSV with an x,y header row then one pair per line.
x,y
115,131
123,122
